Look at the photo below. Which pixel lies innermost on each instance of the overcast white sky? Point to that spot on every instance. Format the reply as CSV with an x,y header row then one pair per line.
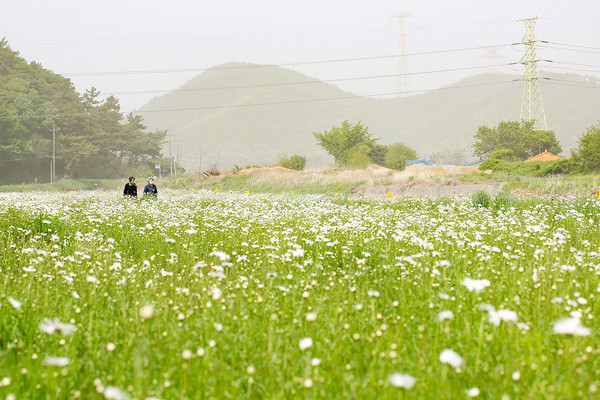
x,y
99,43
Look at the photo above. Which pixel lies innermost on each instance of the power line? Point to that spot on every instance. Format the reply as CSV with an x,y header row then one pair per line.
x,y
275,84
590,85
571,22
571,45
268,103
191,38
569,69
245,36
575,64
252,66
573,50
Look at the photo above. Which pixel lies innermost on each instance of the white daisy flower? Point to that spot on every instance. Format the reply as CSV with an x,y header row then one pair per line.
x,y
404,381
451,358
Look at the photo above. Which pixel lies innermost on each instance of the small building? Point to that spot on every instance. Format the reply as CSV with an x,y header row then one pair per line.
x,y
545,156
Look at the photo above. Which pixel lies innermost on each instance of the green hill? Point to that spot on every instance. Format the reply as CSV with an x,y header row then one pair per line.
x,y
247,114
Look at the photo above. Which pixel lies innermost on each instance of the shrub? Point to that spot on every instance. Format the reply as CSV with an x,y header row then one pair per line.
x,y
397,155
358,156
496,165
378,153
588,151
534,168
505,199
296,162
481,198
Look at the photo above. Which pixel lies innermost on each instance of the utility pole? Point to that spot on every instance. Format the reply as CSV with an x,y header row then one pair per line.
x,y
532,107
179,160
53,167
170,154
200,162
175,161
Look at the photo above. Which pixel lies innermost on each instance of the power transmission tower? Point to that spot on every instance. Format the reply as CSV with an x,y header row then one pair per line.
x,y
402,74
532,107
491,52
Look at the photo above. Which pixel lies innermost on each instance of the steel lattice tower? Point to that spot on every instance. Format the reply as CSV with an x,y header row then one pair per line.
x,y
532,107
402,74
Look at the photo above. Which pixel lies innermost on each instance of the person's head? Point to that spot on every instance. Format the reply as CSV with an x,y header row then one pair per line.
x,y
151,180
131,179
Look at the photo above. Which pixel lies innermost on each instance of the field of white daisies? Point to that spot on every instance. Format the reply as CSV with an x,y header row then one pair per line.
x,y
236,295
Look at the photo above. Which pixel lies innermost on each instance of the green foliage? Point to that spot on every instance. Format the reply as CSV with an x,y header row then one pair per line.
x,y
339,140
588,150
503,154
93,138
296,162
533,168
358,156
398,154
520,137
505,200
481,198
378,153
496,165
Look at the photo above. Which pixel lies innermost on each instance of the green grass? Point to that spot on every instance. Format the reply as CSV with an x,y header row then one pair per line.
x,y
578,185
236,281
66,185
243,182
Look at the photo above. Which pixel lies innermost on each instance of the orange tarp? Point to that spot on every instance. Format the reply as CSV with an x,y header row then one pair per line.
x,y
545,156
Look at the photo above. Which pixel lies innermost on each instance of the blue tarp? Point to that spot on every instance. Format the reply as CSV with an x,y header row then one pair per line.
x,y
423,160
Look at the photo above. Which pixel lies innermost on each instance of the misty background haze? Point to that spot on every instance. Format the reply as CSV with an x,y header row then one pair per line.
x,y
140,51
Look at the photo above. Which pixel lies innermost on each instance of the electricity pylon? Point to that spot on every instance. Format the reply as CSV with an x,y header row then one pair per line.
x,y
532,107
402,74
491,52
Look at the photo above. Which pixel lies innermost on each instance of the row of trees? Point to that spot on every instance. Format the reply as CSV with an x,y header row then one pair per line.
x,y
352,145
517,141
518,137
93,137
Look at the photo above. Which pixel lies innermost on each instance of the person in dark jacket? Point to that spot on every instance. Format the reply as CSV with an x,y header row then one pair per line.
x,y
150,188
130,188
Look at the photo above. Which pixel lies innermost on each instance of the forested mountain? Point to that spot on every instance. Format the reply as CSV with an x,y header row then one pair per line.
x,y
93,137
251,114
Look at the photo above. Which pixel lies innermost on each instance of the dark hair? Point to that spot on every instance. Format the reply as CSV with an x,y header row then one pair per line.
x,y
131,178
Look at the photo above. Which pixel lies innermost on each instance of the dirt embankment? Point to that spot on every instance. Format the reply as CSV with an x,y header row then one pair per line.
x,y
376,181
451,187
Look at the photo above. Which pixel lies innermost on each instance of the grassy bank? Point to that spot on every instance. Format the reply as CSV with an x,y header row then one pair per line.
x,y
64,185
275,183
574,185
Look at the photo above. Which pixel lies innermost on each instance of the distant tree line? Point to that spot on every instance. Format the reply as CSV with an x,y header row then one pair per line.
x,y
352,145
511,142
93,137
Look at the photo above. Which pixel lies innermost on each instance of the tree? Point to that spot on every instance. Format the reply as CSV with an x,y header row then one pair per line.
x,y
503,154
588,150
398,154
520,137
339,140
93,139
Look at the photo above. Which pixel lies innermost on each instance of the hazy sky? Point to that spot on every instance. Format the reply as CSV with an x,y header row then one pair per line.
x,y
123,47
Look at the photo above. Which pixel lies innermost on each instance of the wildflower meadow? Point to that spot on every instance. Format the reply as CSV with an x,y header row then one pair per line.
x,y
223,295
